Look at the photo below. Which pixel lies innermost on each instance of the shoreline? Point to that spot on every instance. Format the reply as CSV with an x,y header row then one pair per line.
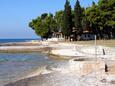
x,y
23,47
66,51
24,50
65,77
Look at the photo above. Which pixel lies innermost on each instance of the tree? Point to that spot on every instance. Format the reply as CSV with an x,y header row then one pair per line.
x,y
67,20
93,16
59,19
86,24
102,19
44,15
44,25
33,23
99,19
78,17
78,13
107,8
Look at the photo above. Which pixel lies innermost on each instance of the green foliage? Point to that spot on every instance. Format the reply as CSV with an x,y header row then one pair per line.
x,y
102,17
85,24
99,18
67,20
44,15
78,17
42,30
59,19
44,25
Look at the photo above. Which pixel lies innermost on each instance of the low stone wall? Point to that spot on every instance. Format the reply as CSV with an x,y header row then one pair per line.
x,y
86,67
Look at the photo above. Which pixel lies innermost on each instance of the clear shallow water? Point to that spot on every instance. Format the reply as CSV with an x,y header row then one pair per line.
x,y
14,66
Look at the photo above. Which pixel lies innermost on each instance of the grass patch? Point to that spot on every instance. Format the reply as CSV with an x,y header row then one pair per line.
x,y
108,43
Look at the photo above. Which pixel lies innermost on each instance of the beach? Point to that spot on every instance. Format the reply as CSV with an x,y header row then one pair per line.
x,y
84,67
57,43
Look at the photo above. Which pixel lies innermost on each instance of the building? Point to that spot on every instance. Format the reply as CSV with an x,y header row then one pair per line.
x,y
86,35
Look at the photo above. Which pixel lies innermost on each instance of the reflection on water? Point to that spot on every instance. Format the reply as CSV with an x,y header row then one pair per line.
x,y
14,66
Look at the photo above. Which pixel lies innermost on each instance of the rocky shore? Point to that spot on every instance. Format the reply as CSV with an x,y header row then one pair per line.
x,y
23,47
67,77
85,67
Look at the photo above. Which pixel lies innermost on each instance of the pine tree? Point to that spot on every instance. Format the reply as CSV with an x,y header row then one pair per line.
x,y
78,19
67,21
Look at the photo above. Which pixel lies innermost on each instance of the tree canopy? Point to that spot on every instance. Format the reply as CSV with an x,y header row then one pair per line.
x,y
44,25
98,19
102,17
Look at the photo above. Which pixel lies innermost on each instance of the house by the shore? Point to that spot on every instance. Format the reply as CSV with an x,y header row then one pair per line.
x,y
87,35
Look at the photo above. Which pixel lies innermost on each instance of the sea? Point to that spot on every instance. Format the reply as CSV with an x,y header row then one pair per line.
x,y
14,66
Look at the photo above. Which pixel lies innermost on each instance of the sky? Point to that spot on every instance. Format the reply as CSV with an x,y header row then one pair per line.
x,y
16,14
